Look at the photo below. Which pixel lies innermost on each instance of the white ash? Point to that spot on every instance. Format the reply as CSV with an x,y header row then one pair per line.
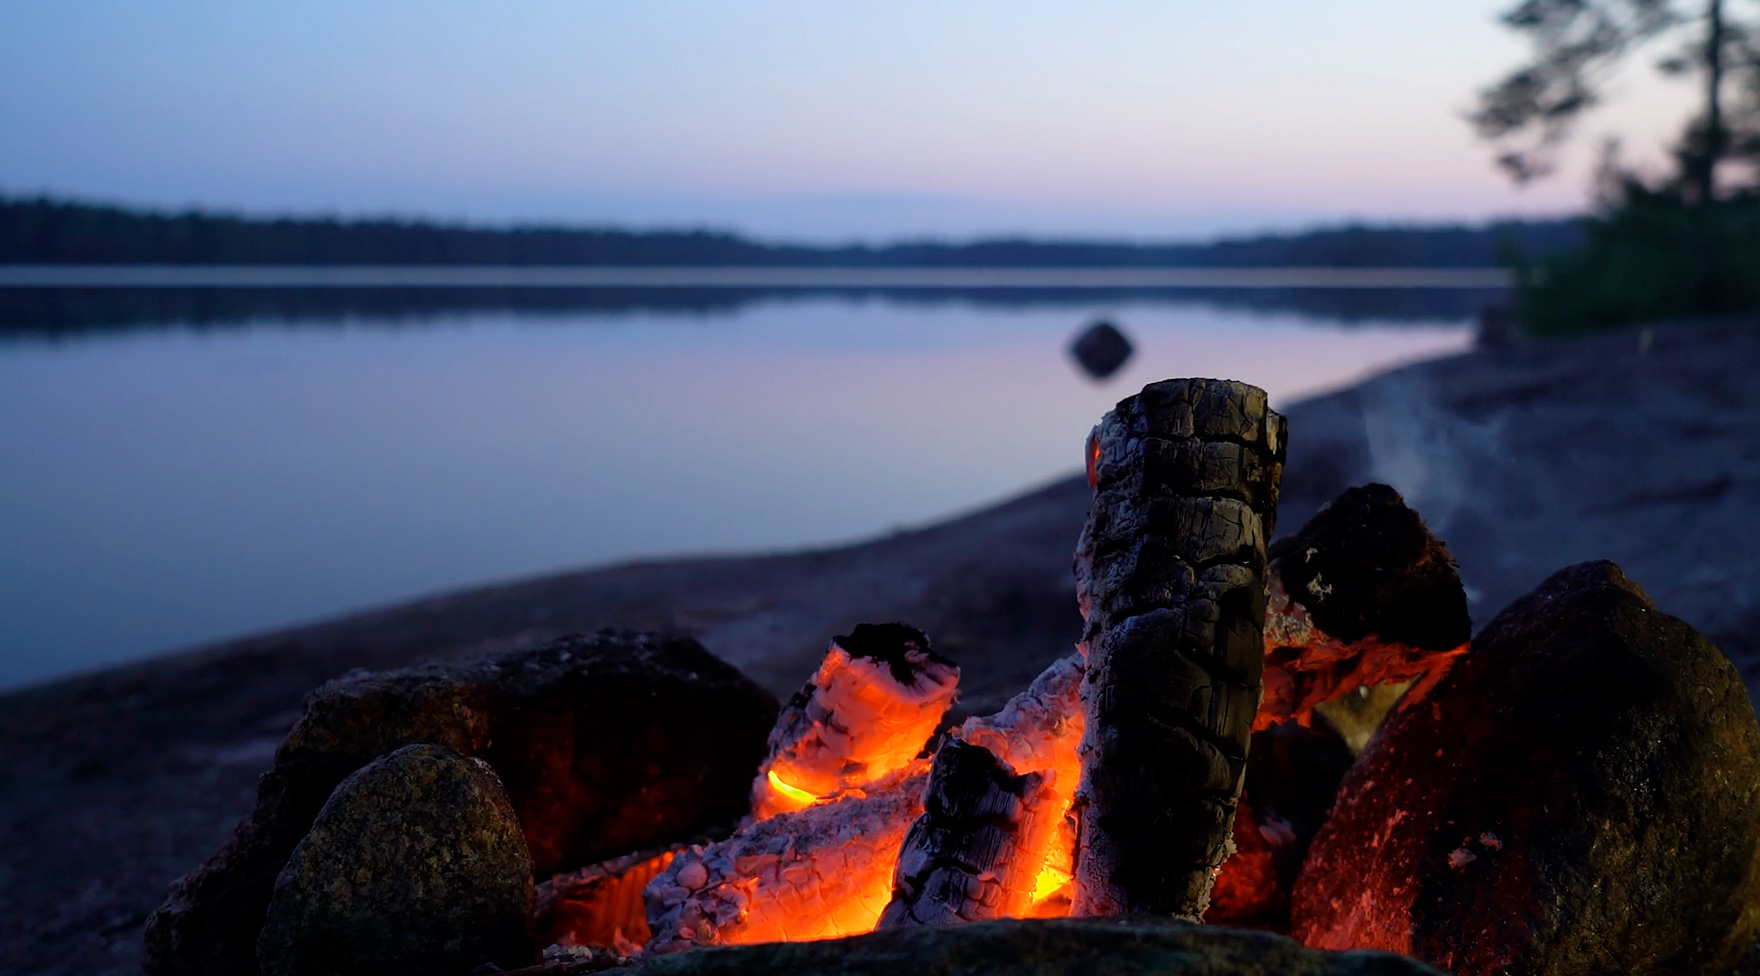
x,y
822,872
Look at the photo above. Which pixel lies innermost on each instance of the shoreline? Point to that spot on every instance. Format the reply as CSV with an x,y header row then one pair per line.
x,y
1642,447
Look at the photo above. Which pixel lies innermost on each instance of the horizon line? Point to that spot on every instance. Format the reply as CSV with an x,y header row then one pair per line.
x,y
708,228
1000,277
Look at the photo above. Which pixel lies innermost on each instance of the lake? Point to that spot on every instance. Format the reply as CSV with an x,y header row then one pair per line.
x,y
214,465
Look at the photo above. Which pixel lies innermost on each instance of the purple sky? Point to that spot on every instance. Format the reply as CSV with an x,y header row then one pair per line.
x,y
823,121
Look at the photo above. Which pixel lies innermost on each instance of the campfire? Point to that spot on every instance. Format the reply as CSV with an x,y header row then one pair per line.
x,y
1291,736
1112,783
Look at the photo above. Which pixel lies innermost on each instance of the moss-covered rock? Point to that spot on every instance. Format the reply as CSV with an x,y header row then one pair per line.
x,y
416,865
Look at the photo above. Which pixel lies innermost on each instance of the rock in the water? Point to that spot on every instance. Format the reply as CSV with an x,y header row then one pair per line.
x,y
1579,795
605,744
1101,349
1043,947
416,865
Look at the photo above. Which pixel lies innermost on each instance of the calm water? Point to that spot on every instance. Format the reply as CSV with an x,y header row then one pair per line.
x,y
166,486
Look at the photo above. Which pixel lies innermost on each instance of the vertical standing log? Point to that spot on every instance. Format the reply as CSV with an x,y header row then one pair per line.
x,y
1171,576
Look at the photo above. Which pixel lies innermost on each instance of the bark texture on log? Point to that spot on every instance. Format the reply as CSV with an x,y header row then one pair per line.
x,y
869,710
975,851
1362,595
1171,575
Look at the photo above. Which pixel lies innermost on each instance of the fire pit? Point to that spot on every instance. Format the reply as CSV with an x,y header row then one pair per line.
x,y
1181,761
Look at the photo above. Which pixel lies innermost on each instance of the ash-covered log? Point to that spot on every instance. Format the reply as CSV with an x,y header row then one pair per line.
x,y
816,873
1363,595
869,710
827,869
975,851
1171,574
600,905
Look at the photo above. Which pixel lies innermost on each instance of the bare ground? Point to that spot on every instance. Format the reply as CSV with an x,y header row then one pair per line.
x,y
1642,450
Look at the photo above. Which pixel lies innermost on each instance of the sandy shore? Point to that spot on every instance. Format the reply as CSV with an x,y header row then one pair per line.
x,y
1639,447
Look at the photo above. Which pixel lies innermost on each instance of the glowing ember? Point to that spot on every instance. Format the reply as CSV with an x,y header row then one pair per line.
x,y
599,905
1052,879
1037,732
787,792
1304,667
818,873
871,706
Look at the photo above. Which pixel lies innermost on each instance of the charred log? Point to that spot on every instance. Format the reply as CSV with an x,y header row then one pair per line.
x,y
1363,595
1037,731
975,851
1171,573
600,905
870,708
816,873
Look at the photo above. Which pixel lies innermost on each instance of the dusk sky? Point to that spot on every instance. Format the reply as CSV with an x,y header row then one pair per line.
x,y
820,121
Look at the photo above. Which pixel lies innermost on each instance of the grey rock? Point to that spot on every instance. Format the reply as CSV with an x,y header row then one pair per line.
x,y
605,744
1579,795
416,865
1043,947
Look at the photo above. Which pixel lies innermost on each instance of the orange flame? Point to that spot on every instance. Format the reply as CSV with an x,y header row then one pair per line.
x,y
800,798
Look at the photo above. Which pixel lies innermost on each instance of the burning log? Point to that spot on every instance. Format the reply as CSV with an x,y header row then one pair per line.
x,y
1037,731
1362,595
816,873
976,850
827,869
872,705
599,905
1171,571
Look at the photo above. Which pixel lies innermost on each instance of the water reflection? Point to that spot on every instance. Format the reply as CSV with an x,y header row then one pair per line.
x,y
69,312
166,486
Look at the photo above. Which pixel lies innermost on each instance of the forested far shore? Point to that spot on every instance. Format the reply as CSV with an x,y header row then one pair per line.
x,y
47,231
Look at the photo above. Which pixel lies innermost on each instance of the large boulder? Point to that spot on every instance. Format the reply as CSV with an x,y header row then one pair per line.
x,y
605,745
1043,947
414,867
1579,795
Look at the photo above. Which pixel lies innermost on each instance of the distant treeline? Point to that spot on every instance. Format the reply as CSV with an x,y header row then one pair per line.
x,y
44,231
